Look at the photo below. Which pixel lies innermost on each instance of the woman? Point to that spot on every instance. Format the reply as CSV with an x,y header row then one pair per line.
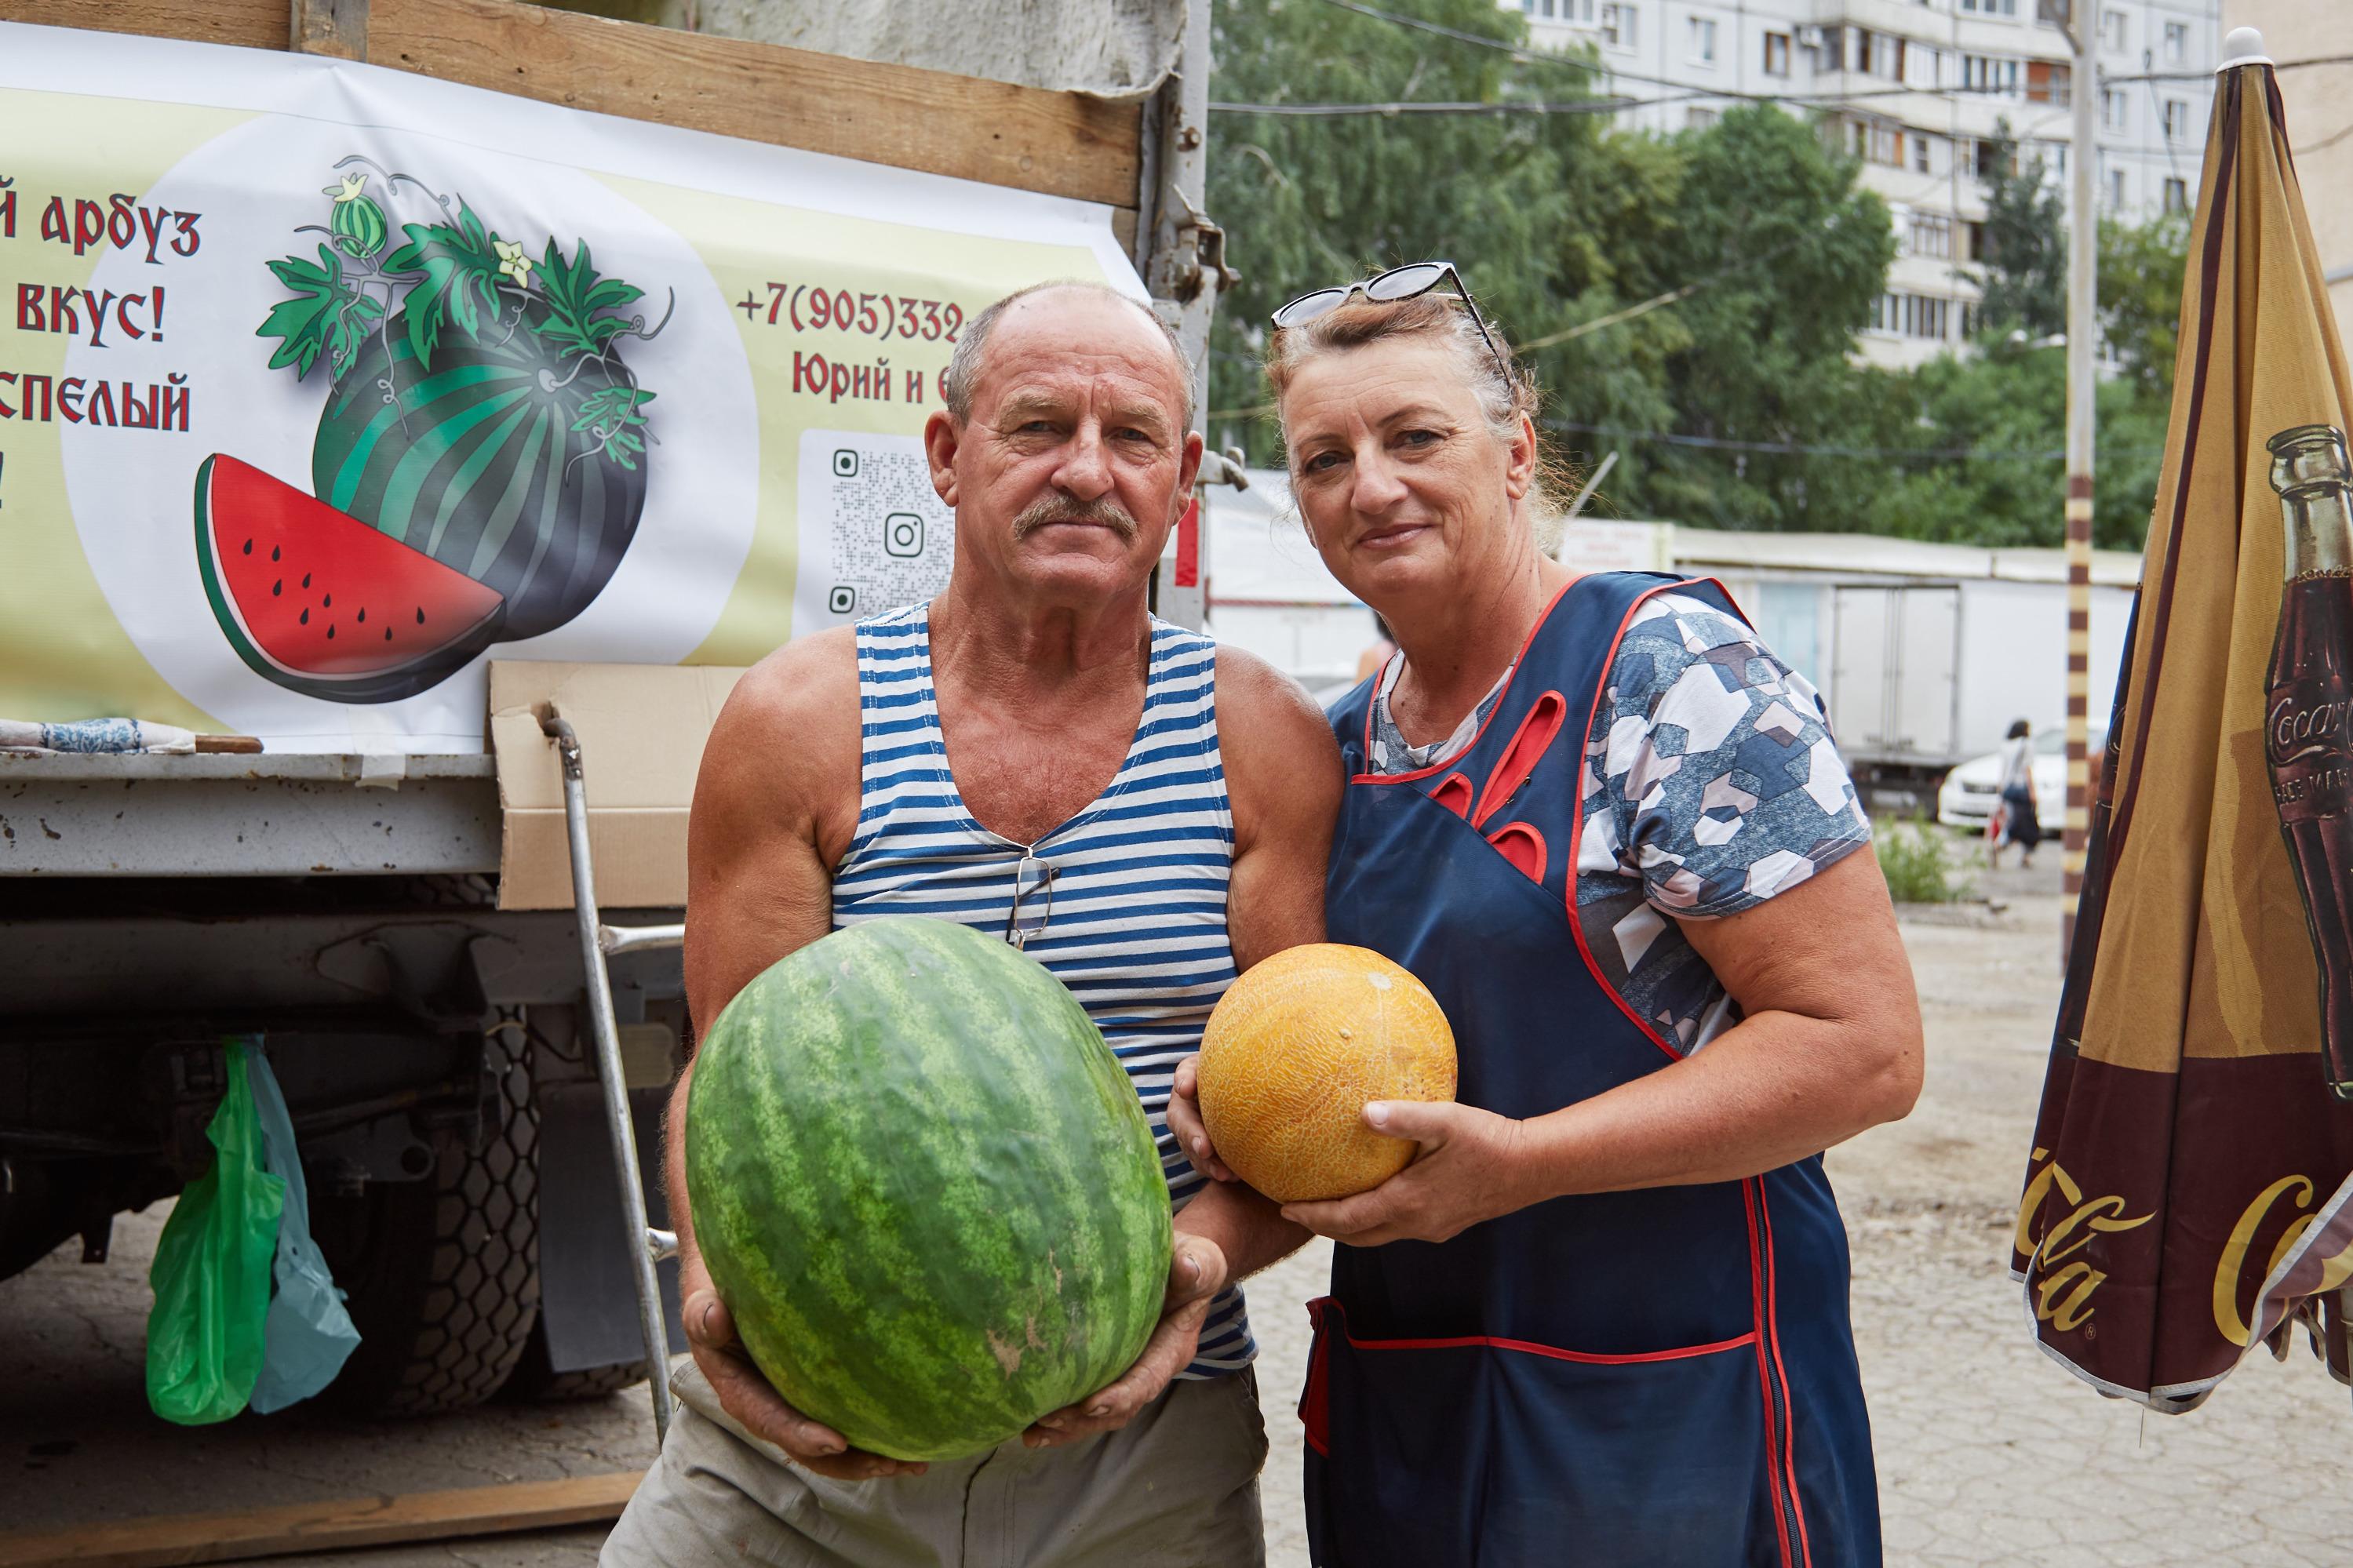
x,y
1602,1317
2020,824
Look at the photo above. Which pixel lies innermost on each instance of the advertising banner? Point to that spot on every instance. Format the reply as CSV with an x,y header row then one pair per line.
x,y
321,384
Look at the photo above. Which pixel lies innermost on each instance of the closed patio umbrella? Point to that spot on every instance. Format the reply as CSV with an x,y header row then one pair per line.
x,y
2187,1196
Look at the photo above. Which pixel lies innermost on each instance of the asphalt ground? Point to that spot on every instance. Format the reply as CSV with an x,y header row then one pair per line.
x,y
1989,1453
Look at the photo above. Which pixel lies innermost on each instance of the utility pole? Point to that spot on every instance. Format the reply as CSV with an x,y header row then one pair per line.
x,y
2082,342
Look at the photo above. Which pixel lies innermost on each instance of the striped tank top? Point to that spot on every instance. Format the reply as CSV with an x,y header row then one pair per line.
x,y
1136,923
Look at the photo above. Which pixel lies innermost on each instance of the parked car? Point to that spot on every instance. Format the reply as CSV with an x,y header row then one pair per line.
x,y
1967,795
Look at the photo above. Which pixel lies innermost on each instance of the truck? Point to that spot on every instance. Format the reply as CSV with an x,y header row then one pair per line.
x,y
380,894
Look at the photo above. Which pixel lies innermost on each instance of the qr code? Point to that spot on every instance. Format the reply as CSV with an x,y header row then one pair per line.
x,y
874,534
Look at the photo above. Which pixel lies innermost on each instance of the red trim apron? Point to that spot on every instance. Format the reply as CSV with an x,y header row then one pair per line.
x,y
1662,1377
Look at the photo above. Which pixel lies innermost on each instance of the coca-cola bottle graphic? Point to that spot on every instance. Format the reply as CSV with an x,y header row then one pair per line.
x,y
2304,711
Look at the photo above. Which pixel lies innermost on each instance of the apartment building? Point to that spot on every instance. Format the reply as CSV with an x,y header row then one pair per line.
x,y
1917,89
2318,102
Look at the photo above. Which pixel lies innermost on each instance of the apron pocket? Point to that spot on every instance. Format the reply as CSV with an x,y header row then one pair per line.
x,y
1488,1453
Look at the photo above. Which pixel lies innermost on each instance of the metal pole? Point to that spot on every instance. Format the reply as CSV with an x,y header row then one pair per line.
x,y
1187,269
608,1070
2082,342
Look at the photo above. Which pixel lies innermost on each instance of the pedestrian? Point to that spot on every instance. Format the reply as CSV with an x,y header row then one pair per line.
x,y
1602,1316
1144,811
2019,822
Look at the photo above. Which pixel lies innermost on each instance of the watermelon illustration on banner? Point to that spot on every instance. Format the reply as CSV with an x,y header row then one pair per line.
x,y
480,463
2187,1196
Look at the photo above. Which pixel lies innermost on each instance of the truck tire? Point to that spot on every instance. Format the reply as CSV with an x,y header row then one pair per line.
x,y
443,1273
536,1382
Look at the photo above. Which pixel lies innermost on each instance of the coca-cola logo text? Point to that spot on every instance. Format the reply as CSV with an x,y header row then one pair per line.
x,y
2300,727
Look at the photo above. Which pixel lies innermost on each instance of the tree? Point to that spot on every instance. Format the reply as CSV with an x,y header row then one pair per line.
x,y
1311,202
2141,273
1791,258
2025,254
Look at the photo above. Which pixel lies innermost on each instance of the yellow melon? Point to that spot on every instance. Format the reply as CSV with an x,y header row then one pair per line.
x,y
1294,1051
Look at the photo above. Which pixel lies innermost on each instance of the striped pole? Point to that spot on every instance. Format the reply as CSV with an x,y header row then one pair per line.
x,y
2079,662
2083,338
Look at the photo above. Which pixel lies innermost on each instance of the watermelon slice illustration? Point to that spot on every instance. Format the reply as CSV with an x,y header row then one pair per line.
x,y
321,603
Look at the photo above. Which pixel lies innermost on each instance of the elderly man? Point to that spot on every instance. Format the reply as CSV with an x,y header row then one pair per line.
x,y
1144,813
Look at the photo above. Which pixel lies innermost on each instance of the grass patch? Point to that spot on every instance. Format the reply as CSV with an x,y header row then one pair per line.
x,y
1918,859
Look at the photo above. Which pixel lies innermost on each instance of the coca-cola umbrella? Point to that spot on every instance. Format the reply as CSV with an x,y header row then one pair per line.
x,y
2187,1194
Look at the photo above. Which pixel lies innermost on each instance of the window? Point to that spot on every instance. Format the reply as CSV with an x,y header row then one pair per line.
x,y
1777,54
1974,236
1989,7
1621,24
1990,74
2112,31
2177,43
1984,158
2116,110
2176,195
1920,161
2177,120
1699,118
1932,236
1913,316
1877,141
2115,190
2046,82
1700,42
1878,54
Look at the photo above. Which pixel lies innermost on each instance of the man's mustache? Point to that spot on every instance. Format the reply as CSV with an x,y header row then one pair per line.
x,y
1048,509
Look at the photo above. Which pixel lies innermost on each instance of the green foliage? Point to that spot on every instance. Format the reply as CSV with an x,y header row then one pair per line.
x,y
2141,271
1315,202
1917,859
576,299
1559,221
326,313
1797,257
2025,271
459,264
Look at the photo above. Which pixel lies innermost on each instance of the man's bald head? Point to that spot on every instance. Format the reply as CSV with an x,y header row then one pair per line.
x,y
960,382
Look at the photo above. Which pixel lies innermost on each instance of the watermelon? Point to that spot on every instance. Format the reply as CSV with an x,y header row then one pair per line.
x,y
477,465
321,603
924,1188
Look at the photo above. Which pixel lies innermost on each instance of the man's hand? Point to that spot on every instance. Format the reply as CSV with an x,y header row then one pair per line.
x,y
747,1396
1471,1168
1184,1121
1196,1272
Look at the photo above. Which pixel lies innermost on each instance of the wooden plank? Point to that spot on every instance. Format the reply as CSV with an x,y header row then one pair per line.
x,y
336,27
1063,144
253,24
170,1539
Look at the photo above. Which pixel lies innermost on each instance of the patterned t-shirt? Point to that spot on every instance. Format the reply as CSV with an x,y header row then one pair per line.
x,y
1711,784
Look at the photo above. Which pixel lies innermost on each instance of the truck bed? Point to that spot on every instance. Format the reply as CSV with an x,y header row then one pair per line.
x,y
211,815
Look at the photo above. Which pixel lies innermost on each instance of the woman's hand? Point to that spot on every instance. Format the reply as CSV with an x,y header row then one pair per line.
x,y
1472,1167
1184,1121
1196,1272
747,1396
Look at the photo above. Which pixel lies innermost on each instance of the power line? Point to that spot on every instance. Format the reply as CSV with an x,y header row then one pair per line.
x,y
1545,57
1330,111
2209,74
1819,449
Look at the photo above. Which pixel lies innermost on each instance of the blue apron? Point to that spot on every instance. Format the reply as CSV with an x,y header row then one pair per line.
x,y
1626,1379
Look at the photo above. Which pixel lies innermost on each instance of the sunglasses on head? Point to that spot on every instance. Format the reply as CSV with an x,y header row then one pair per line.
x,y
1415,278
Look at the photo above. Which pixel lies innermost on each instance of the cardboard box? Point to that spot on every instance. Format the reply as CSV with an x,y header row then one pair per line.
x,y
642,729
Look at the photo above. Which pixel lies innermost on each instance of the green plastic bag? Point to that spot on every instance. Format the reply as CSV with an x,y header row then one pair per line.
x,y
212,1266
